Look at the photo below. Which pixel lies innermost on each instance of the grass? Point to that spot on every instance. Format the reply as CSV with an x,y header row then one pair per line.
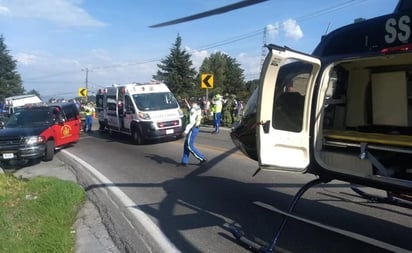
x,y
37,215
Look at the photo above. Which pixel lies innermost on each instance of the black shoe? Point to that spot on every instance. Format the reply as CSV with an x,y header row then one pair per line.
x,y
202,161
183,164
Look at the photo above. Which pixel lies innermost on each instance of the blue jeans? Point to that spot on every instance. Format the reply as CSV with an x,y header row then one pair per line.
x,y
216,120
89,121
189,147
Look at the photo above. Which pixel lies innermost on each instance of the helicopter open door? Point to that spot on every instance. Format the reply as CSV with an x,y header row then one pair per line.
x,y
285,95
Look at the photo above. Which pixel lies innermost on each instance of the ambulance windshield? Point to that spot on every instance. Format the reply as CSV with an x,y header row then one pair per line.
x,y
155,101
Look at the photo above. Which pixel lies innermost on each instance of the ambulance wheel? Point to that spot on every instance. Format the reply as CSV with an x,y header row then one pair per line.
x,y
49,152
137,137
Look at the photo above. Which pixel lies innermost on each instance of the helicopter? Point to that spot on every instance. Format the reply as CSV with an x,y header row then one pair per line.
x,y
343,113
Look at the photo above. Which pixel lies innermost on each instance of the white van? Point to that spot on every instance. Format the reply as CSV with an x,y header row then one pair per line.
x,y
13,103
145,111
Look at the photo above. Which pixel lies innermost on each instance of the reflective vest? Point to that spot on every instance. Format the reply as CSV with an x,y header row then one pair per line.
x,y
88,111
217,104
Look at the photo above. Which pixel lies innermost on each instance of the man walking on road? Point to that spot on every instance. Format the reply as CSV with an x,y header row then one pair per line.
x,y
191,131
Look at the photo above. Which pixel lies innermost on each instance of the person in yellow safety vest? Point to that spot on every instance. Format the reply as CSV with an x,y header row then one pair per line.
x,y
82,113
191,131
217,105
89,118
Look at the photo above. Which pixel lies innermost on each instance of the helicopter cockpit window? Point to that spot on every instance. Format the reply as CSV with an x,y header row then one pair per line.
x,y
290,93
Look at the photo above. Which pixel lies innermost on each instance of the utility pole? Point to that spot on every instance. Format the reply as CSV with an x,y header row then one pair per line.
x,y
87,82
263,55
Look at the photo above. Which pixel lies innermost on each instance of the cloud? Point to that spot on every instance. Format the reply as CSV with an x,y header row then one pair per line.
x,y
101,54
26,59
272,30
60,12
197,56
251,64
4,10
292,29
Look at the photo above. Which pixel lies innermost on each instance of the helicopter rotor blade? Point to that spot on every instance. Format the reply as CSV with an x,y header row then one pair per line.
x,y
212,12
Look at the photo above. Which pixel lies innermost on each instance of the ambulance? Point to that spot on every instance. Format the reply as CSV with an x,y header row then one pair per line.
x,y
144,111
15,102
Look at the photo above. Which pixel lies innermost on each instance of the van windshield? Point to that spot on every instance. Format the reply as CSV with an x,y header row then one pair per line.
x,y
155,101
30,118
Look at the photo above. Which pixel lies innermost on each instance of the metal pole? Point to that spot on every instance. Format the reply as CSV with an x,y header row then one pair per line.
x,y
87,83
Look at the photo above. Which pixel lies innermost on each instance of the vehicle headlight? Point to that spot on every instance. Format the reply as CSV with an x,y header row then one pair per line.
x,y
180,113
143,115
32,140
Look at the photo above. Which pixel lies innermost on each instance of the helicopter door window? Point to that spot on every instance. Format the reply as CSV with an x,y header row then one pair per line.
x,y
288,107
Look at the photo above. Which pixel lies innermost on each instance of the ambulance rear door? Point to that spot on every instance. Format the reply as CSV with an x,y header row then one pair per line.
x,y
111,108
129,112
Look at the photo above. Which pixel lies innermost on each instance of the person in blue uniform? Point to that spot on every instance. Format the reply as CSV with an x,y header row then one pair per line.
x,y
190,133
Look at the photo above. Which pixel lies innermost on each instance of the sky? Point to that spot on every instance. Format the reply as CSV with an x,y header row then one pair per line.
x,y
62,46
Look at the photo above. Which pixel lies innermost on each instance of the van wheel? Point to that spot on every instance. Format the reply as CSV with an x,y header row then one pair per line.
x,y
137,137
49,150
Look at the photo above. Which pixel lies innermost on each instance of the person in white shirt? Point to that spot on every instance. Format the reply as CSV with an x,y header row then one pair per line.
x,y
191,131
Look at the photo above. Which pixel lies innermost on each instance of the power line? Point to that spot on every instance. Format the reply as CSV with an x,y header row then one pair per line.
x,y
231,40
330,9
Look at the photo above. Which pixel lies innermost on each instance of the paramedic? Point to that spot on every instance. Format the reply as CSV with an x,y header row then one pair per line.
x,y
217,105
89,118
191,131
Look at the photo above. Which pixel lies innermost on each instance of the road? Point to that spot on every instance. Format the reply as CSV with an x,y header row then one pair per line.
x,y
147,199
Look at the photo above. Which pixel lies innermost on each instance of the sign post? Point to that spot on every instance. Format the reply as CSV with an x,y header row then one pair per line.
x,y
207,83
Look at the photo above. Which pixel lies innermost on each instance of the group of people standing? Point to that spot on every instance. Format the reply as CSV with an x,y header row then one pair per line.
x,y
225,110
196,112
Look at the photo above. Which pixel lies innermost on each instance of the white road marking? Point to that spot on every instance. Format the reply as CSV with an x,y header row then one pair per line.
x,y
152,229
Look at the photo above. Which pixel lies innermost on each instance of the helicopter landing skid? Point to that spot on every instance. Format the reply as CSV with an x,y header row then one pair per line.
x,y
255,247
391,198
261,249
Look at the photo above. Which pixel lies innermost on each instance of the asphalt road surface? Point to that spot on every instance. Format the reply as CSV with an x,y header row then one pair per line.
x,y
149,203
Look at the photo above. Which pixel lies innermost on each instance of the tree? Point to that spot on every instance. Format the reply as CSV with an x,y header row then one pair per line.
x,y
228,76
10,79
252,85
176,71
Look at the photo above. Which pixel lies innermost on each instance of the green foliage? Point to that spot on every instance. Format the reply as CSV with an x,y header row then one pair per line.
x,y
177,72
182,79
228,76
252,85
10,79
37,216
